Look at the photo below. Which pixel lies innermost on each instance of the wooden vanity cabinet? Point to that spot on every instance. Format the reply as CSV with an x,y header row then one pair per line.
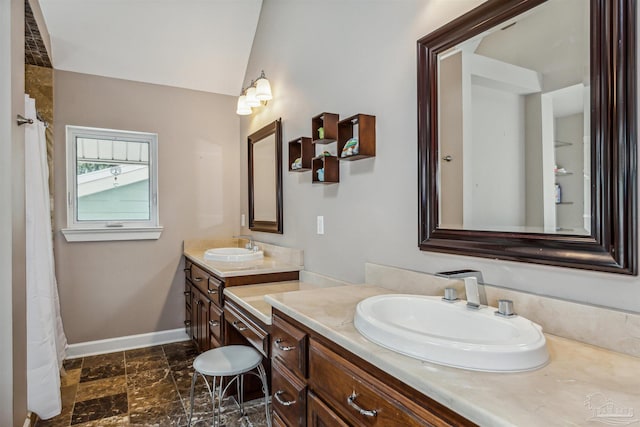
x,y
203,307
343,389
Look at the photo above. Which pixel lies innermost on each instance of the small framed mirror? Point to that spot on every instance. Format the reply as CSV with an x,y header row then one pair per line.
x,y
265,178
527,134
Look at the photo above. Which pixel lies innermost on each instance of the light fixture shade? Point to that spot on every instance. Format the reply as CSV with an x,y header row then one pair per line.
x,y
251,100
263,90
243,109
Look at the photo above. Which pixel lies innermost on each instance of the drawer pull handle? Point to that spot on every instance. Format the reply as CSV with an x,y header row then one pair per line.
x,y
187,293
211,291
187,323
239,326
351,401
283,402
187,269
284,347
197,279
214,323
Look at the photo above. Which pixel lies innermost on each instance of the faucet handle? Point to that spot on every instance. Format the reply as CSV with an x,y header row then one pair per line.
x,y
505,308
450,295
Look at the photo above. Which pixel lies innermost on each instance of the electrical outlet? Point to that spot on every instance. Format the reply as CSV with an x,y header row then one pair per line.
x,y
320,224
242,220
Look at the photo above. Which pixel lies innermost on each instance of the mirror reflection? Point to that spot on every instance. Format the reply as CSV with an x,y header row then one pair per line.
x,y
264,170
514,132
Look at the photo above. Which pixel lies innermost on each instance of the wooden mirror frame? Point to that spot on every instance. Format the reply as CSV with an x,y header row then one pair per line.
x,y
274,128
612,246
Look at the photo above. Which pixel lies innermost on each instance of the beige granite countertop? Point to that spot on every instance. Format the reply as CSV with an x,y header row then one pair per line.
x,y
276,259
251,297
576,388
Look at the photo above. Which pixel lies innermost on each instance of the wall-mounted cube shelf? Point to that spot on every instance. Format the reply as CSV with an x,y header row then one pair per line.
x,y
331,169
301,148
362,127
327,121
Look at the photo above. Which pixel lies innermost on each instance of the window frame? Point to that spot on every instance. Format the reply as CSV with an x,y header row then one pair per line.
x,y
102,230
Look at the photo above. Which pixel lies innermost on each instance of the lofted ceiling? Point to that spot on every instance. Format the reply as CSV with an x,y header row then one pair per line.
x,y
194,44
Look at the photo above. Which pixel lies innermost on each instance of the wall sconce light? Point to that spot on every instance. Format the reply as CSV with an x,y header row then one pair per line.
x,y
257,94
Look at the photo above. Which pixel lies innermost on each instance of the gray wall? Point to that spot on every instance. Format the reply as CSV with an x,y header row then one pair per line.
x,y
366,63
112,289
13,361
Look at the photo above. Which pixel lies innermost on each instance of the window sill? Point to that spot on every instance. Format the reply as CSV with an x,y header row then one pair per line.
x,y
109,234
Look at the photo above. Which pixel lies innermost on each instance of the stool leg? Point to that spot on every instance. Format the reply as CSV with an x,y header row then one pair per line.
x,y
241,394
213,401
193,386
265,389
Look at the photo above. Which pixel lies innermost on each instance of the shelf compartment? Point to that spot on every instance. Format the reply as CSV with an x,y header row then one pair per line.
x,y
331,169
362,127
303,148
328,121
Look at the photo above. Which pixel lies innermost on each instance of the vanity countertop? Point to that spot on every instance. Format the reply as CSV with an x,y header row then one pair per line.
x,y
276,259
581,385
251,297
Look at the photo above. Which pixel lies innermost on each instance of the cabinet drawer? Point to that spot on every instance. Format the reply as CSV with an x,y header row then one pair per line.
x,y
289,398
257,336
187,295
187,268
199,278
289,346
215,322
214,290
320,415
360,398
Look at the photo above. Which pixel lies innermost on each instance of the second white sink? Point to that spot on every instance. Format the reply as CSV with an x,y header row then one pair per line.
x,y
430,329
232,254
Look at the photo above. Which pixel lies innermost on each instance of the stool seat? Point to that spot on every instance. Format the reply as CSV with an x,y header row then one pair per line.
x,y
227,361
234,361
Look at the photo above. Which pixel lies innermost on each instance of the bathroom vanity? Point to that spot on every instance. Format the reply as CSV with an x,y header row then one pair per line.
x,y
209,320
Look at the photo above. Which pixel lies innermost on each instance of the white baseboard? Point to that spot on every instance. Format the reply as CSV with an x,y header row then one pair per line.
x,y
129,342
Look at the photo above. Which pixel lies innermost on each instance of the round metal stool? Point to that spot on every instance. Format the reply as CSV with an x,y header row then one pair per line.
x,y
230,361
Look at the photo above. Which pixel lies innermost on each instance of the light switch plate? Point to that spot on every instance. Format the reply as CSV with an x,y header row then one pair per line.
x,y
320,224
242,220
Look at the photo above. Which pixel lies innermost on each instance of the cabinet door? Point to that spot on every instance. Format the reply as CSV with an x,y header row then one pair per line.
x,y
200,313
193,321
320,415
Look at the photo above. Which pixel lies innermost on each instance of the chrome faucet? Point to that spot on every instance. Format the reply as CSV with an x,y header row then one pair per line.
x,y
473,286
251,245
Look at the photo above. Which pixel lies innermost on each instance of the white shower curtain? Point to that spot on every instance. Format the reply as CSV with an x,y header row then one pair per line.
x,y
46,342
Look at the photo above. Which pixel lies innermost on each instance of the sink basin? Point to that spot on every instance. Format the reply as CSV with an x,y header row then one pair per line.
x,y
232,254
430,329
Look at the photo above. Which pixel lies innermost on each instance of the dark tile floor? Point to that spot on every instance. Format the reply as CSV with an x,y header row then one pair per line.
x,y
143,387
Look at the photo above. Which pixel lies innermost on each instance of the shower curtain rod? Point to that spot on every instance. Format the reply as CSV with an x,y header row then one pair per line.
x,y
21,120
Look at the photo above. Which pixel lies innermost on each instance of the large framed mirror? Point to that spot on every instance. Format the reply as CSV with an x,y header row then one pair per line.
x,y
527,134
265,178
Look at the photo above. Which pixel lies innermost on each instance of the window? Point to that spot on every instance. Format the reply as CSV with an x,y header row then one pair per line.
x,y
112,185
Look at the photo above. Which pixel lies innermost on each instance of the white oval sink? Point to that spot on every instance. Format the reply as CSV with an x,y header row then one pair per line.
x,y
430,329
232,254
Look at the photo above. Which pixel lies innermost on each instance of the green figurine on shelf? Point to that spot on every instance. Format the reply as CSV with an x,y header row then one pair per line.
x,y
320,133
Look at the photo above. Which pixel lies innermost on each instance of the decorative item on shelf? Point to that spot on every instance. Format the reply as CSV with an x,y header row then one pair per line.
x,y
297,164
321,133
325,153
257,94
351,148
320,173
558,194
